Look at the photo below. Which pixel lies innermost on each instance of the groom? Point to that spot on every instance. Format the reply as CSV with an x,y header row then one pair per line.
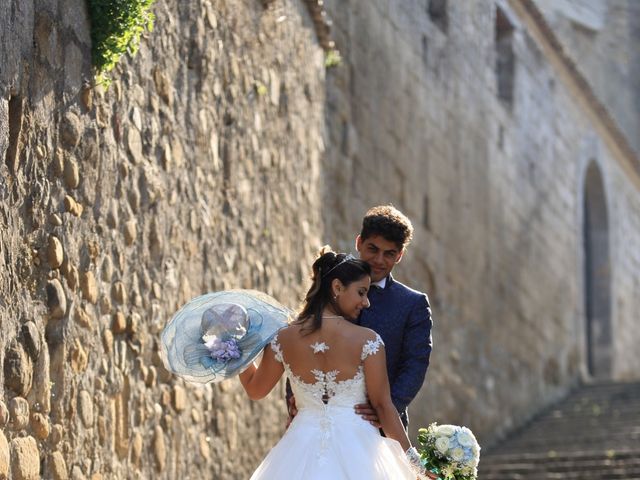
x,y
399,314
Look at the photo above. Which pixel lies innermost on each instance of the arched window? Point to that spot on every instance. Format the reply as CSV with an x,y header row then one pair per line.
x,y
597,275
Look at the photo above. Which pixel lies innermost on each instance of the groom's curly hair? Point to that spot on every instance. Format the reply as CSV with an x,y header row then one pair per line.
x,y
388,222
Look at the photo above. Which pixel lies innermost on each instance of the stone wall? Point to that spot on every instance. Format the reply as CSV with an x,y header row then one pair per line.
x,y
494,181
602,37
197,170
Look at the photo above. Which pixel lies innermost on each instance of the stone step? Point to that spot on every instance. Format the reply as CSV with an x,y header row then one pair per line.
x,y
578,465
578,475
608,440
593,434
628,454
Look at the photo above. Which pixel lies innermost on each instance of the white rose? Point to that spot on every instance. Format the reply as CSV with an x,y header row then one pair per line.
x,y
442,444
447,430
457,454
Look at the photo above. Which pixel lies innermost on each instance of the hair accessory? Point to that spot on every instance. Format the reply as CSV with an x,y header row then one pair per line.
x,y
347,258
215,336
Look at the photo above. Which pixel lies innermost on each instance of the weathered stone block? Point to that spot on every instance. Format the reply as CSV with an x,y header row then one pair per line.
x,y
119,293
134,145
82,318
79,357
41,425
55,252
88,286
72,206
31,339
77,473
55,220
58,466
25,459
158,449
4,414
105,304
179,398
130,232
119,323
164,88
71,129
57,434
4,456
107,340
85,408
18,370
136,448
19,411
56,299
71,173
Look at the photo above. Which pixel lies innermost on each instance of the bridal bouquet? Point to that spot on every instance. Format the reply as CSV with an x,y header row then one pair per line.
x,y
449,451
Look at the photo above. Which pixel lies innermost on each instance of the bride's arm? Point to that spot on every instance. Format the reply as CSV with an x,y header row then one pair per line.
x,y
259,381
379,392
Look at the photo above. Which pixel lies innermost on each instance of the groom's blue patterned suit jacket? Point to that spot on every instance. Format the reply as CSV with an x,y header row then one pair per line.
x,y
402,317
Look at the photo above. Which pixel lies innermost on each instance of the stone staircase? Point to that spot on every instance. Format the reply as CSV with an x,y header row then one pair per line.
x,y
593,434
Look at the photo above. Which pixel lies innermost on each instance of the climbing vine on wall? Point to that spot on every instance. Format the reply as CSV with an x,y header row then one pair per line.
x,y
116,27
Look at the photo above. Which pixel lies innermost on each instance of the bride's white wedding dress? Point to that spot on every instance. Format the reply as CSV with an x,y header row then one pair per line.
x,y
327,440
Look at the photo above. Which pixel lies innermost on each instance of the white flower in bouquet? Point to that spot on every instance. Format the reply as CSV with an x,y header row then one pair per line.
x,y
442,444
450,451
457,454
445,430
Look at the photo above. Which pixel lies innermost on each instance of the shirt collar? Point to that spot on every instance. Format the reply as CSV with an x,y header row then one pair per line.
x,y
380,283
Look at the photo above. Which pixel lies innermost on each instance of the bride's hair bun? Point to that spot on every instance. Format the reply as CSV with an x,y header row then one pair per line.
x,y
324,261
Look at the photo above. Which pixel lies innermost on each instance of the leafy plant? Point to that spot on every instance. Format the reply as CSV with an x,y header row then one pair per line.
x,y
116,27
332,59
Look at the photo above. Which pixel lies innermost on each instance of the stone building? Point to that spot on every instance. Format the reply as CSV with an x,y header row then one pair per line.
x,y
223,154
508,131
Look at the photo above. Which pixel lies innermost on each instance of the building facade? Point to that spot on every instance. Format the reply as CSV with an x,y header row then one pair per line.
x,y
517,159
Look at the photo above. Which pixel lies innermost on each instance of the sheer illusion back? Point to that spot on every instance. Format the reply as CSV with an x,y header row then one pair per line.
x,y
325,369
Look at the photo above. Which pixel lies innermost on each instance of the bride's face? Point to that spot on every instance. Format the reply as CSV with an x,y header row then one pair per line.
x,y
353,298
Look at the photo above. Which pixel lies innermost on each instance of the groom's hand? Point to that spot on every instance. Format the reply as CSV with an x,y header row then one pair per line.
x,y
366,411
292,409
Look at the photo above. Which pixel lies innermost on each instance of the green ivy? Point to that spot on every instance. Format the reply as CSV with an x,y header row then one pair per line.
x,y
332,59
116,26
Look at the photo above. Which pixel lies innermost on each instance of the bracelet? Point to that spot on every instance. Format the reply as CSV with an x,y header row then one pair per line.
x,y
414,459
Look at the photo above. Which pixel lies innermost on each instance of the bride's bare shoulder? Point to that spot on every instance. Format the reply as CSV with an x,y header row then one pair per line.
x,y
365,334
289,331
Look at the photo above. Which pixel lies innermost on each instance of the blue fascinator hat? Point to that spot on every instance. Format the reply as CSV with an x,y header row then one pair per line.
x,y
215,336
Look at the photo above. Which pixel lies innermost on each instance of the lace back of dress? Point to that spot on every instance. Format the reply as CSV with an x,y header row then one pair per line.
x,y
326,386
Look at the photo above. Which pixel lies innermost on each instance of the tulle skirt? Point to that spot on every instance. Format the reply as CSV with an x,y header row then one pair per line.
x,y
334,443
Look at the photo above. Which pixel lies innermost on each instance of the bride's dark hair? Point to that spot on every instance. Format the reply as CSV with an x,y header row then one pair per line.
x,y
328,265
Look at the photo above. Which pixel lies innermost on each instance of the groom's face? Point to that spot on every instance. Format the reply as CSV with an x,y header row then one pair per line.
x,y
381,254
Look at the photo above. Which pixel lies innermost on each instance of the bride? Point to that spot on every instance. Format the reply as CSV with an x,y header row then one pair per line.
x,y
333,365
